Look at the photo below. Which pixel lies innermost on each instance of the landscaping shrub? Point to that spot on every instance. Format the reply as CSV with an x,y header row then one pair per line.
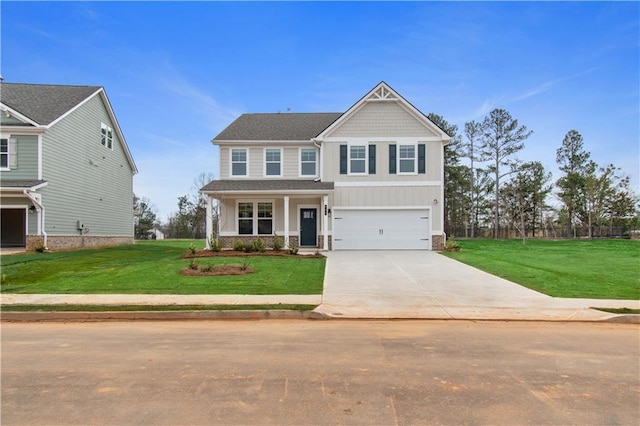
x,y
278,243
258,245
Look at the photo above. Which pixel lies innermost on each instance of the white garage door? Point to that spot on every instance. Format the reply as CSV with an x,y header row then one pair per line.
x,y
384,229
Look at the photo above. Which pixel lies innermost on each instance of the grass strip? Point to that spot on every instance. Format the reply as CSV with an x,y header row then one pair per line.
x,y
153,308
620,310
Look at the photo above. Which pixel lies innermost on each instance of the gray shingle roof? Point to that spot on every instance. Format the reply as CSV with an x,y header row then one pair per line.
x,y
266,185
20,183
277,126
43,103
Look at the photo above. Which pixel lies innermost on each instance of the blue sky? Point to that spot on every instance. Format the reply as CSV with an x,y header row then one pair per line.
x,y
177,73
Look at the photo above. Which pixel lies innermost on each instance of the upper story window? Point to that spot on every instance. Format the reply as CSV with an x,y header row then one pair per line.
x,y
308,162
4,154
239,161
106,136
407,159
273,162
357,159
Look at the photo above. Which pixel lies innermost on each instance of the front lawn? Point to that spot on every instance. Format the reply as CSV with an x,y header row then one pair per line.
x,y
153,267
591,269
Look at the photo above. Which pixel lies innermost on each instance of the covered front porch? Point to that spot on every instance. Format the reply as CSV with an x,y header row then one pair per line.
x,y
22,214
295,211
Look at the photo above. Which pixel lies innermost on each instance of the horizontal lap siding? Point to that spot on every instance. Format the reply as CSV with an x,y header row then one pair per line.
x,y
27,157
290,161
87,181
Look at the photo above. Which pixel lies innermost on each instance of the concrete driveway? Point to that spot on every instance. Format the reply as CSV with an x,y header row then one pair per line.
x,y
423,284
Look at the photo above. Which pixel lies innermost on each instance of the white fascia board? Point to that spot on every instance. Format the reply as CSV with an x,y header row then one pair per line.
x,y
23,130
63,116
334,208
346,184
8,189
4,108
391,139
123,141
266,192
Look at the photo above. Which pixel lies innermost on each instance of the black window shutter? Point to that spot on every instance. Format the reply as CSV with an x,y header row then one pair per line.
x,y
392,159
372,159
343,159
421,159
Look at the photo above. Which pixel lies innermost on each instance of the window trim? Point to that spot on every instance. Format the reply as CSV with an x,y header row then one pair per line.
x,y
255,218
106,136
8,153
246,162
415,159
365,159
315,150
264,157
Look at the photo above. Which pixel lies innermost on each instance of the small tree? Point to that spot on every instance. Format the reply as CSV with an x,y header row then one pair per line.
x,y
144,217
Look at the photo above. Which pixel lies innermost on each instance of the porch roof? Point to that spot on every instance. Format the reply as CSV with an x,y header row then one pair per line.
x,y
21,184
267,186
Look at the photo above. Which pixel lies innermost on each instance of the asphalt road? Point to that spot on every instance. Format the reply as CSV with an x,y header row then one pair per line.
x,y
320,372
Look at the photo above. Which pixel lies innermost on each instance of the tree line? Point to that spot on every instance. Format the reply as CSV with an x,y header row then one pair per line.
x,y
494,194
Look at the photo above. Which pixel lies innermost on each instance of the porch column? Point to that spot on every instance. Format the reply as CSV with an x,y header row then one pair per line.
x,y
325,222
209,222
286,221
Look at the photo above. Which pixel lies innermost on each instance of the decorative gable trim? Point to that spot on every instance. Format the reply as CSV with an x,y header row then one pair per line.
x,y
384,93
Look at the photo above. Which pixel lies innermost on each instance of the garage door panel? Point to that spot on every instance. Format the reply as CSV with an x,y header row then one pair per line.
x,y
381,229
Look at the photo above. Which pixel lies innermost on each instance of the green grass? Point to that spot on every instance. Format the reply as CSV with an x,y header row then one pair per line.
x,y
153,267
620,311
152,308
593,269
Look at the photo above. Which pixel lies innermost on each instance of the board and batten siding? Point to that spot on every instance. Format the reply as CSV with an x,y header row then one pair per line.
x,y
88,182
26,147
290,160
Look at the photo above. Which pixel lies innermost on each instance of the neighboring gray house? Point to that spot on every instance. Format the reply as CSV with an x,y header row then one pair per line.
x,y
369,178
66,173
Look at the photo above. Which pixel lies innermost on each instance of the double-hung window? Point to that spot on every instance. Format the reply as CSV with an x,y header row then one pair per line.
x,y
357,159
106,134
239,162
255,216
273,162
4,154
407,159
308,161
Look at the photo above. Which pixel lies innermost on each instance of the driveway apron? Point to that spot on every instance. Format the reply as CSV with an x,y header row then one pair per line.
x,y
426,284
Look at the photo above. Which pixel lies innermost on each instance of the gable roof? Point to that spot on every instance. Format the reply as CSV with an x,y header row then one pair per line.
x,y
43,103
277,126
382,92
46,104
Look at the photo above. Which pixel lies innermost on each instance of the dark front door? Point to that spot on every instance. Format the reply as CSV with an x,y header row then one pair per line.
x,y
308,227
13,224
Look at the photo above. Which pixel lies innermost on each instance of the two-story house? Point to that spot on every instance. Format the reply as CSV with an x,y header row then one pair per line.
x,y
369,178
66,172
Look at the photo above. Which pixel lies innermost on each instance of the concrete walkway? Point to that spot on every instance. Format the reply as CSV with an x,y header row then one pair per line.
x,y
419,284
385,284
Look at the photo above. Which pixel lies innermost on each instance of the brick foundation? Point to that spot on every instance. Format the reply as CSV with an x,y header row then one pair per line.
x,y
437,242
57,242
267,240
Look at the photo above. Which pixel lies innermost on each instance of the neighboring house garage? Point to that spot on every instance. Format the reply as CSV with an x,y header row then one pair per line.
x,y
381,229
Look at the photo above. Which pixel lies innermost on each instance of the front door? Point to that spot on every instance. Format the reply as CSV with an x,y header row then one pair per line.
x,y
308,227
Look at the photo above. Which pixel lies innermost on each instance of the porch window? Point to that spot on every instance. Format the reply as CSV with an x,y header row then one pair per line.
x,y
357,159
107,136
265,218
407,159
272,157
245,218
4,153
238,162
308,162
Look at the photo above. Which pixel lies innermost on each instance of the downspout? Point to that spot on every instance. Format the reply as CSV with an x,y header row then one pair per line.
x,y
321,165
40,209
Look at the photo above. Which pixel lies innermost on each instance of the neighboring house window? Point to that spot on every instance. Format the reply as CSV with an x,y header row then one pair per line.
x,y
4,154
273,162
357,159
107,136
308,162
406,159
245,218
255,216
265,218
238,162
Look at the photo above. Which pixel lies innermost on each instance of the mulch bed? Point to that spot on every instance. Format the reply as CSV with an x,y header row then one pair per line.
x,y
233,253
217,270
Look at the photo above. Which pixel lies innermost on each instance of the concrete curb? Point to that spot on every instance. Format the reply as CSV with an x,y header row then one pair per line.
x,y
83,316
